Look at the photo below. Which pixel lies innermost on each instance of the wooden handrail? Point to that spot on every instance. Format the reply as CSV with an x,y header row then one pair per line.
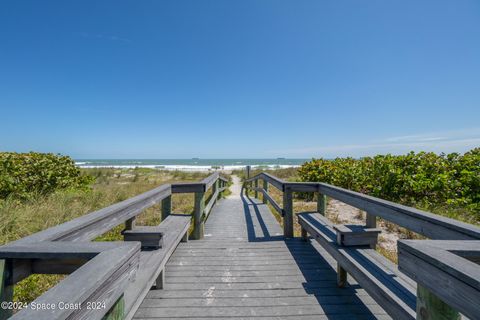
x,y
425,223
98,270
446,269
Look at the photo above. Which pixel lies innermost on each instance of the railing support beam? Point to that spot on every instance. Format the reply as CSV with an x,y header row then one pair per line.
x,y
166,207
342,276
198,223
130,223
288,213
256,186
265,187
430,307
6,289
371,222
321,203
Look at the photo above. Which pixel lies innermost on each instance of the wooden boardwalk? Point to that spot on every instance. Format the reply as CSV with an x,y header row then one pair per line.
x,y
244,269
243,264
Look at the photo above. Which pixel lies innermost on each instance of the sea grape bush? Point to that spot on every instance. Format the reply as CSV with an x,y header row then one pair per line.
x,y
415,178
26,174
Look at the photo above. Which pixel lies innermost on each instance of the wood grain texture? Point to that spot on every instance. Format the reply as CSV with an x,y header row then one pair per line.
x,y
435,266
153,262
245,269
380,278
94,224
96,280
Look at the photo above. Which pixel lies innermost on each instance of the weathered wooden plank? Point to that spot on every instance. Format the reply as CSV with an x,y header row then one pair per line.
x,y
454,280
256,270
211,203
265,190
57,250
274,204
428,224
274,181
395,301
354,235
210,180
188,187
301,186
321,203
198,216
296,317
261,311
287,213
345,294
153,262
94,224
148,236
166,207
447,257
97,280
246,301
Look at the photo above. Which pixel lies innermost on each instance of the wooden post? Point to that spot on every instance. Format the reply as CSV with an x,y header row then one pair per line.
x,y
198,226
166,207
341,276
265,187
341,273
130,223
430,307
304,234
117,312
321,203
6,289
185,237
247,185
214,187
371,223
218,186
287,213
256,186
160,281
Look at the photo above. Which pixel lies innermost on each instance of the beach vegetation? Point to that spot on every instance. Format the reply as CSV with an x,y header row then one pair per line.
x,y
26,213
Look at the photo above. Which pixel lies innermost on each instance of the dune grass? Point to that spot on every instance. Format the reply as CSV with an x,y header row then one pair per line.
x,y
22,218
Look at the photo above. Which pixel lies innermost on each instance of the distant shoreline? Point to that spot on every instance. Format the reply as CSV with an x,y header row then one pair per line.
x,y
190,164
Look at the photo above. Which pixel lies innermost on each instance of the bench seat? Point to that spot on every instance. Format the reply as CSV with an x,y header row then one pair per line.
x,y
391,289
152,262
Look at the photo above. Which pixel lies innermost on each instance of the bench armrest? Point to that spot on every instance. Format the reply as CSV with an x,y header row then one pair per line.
x,y
354,235
149,237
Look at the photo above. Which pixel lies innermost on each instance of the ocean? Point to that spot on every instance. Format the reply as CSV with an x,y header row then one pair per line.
x,y
190,164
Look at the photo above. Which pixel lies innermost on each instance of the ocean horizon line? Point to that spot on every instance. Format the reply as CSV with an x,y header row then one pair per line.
x,y
192,164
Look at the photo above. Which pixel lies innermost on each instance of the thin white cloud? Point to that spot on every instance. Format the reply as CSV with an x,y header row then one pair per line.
x,y
448,141
104,36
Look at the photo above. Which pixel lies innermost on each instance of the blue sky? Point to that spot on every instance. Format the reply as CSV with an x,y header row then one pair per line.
x,y
228,79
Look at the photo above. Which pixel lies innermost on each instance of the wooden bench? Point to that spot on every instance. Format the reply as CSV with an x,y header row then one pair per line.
x,y
391,289
174,229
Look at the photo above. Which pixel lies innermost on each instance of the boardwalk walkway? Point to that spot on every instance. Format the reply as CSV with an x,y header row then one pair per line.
x,y
244,269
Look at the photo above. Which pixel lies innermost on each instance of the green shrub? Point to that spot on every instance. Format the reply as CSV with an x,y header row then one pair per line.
x,y
425,179
26,174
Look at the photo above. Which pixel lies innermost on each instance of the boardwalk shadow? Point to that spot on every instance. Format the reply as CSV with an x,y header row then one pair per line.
x,y
320,281
319,275
252,213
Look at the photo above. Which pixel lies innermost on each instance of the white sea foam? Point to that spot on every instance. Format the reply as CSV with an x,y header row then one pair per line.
x,y
185,167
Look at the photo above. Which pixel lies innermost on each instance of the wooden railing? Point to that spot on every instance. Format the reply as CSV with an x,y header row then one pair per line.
x,y
99,271
452,258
